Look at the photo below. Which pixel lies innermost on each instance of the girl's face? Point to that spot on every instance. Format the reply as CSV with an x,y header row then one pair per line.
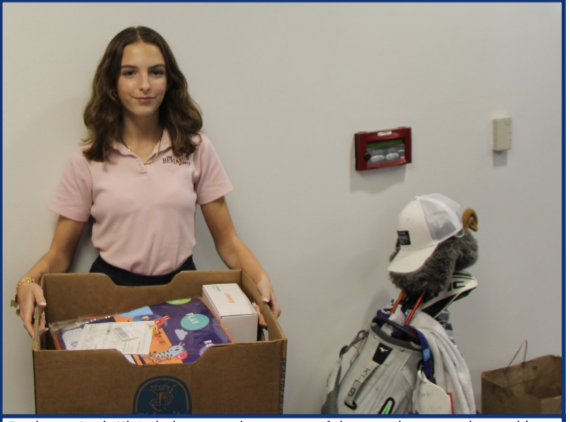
x,y
142,81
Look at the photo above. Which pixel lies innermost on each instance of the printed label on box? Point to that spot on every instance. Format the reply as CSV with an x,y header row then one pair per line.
x,y
162,395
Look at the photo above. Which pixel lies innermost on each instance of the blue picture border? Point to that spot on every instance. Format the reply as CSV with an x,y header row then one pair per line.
x,y
521,417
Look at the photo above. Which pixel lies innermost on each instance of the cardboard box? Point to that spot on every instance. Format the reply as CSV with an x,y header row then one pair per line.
x,y
233,309
244,378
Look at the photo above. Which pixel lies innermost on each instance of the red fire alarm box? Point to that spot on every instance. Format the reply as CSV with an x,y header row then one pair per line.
x,y
383,148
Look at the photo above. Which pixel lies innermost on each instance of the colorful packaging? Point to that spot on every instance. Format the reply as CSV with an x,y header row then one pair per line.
x,y
182,330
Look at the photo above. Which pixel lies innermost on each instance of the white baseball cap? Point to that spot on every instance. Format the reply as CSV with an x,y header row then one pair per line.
x,y
423,224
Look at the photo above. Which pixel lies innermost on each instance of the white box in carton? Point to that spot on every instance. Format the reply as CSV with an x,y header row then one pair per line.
x,y
233,308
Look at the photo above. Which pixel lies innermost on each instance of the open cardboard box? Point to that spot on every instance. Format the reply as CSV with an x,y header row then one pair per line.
x,y
241,378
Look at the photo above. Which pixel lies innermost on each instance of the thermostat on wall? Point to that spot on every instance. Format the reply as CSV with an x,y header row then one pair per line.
x,y
383,148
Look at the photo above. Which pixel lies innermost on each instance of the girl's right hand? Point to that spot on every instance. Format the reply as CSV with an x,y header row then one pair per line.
x,y
30,294
57,260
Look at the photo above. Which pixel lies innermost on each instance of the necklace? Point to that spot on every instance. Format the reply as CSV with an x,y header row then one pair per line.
x,y
146,163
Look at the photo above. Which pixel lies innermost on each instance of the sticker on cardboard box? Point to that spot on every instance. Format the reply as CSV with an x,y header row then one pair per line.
x,y
162,395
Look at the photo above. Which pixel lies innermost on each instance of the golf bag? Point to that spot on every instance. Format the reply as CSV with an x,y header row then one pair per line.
x,y
377,372
406,361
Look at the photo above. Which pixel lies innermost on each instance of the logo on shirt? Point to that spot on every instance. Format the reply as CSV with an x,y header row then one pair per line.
x,y
182,161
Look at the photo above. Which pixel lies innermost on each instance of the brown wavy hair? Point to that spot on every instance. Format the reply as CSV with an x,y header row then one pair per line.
x,y
103,115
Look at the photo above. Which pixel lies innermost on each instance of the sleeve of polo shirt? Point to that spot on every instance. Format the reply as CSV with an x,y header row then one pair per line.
x,y
213,182
74,196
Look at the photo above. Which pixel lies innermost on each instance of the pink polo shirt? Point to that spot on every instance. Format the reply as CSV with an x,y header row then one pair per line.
x,y
143,216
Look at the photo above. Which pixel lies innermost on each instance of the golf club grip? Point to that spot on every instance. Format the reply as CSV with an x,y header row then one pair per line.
x,y
380,319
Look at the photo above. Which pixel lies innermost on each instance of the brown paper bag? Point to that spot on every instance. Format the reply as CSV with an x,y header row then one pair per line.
x,y
533,387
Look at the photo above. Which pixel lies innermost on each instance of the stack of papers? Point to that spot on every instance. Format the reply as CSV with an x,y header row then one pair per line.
x,y
129,338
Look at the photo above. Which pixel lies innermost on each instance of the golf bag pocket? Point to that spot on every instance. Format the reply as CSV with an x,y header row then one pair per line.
x,y
375,374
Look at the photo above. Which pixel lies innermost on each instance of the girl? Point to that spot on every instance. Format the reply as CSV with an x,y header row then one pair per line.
x,y
140,173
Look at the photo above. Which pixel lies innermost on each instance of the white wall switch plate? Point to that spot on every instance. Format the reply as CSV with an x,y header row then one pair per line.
x,y
502,133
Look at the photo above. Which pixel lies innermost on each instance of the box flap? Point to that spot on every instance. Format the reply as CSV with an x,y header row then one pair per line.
x,y
97,295
81,295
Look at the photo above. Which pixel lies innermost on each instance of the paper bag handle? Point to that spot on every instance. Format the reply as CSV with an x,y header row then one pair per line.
x,y
525,344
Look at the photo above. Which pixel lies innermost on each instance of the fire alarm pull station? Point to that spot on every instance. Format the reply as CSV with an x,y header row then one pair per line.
x,y
383,148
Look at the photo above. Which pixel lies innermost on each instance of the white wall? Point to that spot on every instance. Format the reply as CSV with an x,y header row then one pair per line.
x,y
284,87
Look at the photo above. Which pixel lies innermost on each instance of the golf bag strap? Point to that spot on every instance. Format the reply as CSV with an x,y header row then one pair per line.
x,y
361,336
426,352
358,382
